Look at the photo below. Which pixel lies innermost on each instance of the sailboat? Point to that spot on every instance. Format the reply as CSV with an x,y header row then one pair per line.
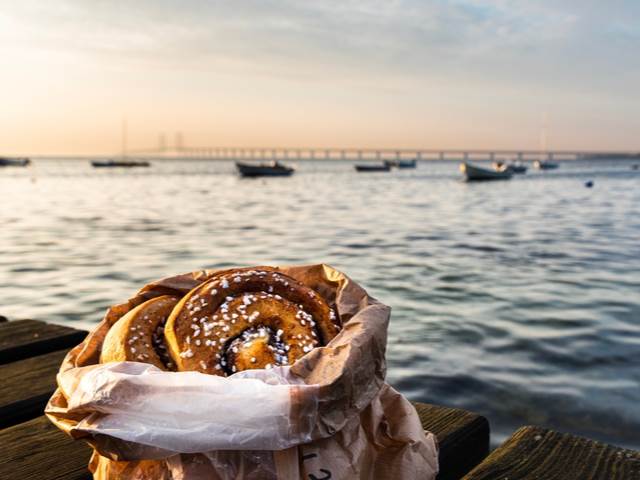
x,y
119,163
123,162
542,164
545,165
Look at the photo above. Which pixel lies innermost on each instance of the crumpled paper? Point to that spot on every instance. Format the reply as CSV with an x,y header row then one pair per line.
x,y
328,416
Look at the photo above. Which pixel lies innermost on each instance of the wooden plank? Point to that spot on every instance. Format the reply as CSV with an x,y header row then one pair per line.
x,y
37,449
36,446
538,453
463,438
27,338
26,387
28,384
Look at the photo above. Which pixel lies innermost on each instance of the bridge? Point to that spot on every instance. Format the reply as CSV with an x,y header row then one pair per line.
x,y
363,154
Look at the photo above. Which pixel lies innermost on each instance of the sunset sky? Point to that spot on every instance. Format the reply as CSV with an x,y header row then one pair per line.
x,y
430,74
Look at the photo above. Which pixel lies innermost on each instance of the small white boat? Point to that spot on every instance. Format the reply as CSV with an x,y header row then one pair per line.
x,y
545,165
474,173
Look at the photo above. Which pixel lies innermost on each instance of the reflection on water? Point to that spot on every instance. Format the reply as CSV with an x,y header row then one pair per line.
x,y
519,300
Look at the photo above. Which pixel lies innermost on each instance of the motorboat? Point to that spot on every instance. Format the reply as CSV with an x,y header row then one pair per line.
x,y
119,163
474,173
402,163
545,165
273,169
515,167
14,162
384,167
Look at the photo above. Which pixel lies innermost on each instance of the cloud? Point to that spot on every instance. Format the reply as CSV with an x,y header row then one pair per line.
x,y
348,35
504,42
501,58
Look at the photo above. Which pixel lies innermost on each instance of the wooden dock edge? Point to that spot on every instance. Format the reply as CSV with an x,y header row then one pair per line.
x,y
20,339
29,380
538,453
463,437
37,449
33,448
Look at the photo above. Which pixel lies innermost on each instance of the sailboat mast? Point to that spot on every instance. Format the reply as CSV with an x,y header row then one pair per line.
x,y
544,141
124,138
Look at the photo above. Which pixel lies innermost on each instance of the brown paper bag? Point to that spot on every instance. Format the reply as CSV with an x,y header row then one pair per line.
x,y
363,428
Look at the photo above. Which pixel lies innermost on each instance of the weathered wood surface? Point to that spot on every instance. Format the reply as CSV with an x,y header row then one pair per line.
x,y
27,338
463,437
537,453
38,450
36,444
26,387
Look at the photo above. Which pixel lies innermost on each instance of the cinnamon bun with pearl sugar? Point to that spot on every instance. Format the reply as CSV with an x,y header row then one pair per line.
x,y
245,319
139,337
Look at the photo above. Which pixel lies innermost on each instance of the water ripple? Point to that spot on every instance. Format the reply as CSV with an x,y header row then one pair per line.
x,y
518,300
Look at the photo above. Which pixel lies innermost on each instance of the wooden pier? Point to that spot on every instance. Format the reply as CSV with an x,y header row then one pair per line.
x,y
31,353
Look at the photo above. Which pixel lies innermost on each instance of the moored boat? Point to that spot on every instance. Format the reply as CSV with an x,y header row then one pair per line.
x,y
274,169
608,156
119,163
474,173
401,163
518,167
14,162
361,167
515,167
545,165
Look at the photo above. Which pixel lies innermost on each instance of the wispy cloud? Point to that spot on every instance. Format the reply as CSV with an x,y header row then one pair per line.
x,y
450,56
352,36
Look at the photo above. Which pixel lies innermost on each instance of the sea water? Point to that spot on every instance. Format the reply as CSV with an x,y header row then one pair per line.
x,y
519,299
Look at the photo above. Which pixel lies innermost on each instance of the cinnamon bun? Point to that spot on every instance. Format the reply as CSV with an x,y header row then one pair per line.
x,y
244,319
139,335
